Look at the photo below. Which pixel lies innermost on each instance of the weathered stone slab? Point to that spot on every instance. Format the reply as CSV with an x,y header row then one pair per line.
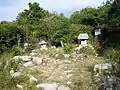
x,y
52,87
24,58
47,86
37,60
63,87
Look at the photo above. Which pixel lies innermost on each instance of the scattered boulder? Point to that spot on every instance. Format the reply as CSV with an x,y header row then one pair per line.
x,y
17,57
16,74
101,67
43,47
28,64
33,79
24,58
37,60
20,87
47,86
52,87
63,87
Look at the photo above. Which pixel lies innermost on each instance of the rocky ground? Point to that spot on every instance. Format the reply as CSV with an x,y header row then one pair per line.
x,y
53,68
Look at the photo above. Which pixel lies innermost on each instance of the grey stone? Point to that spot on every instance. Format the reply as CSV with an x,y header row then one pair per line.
x,y
28,64
37,60
24,58
52,87
104,66
20,87
33,79
47,86
63,87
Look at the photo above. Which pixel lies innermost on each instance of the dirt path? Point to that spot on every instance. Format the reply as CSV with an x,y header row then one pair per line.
x,y
72,71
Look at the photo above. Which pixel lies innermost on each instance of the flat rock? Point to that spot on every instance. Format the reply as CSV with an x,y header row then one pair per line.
x,y
28,64
16,74
52,87
24,58
47,86
63,87
32,54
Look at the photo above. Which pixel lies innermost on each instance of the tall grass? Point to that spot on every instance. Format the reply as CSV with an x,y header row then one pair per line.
x,y
7,82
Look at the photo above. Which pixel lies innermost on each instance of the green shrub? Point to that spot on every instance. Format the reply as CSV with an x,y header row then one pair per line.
x,y
113,56
68,48
18,51
11,34
29,48
98,48
87,50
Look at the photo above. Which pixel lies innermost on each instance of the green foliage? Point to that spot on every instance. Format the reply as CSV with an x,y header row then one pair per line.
x,y
87,16
42,25
11,34
113,16
75,30
32,15
114,57
18,51
35,24
87,50
69,48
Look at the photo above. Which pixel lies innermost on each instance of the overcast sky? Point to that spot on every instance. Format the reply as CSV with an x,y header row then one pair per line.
x,y
9,9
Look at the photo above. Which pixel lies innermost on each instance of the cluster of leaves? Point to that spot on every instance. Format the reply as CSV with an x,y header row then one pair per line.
x,y
11,34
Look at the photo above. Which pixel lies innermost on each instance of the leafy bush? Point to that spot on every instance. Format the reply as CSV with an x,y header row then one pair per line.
x,y
87,50
18,51
114,57
29,48
68,48
11,34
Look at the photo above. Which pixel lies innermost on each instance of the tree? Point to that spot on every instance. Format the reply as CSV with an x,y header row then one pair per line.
x,y
87,16
33,15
